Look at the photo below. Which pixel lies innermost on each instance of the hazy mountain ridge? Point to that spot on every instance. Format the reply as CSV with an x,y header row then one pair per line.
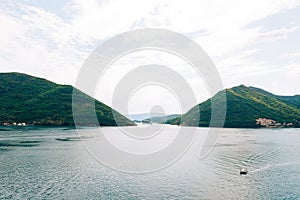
x,y
153,117
142,116
36,101
163,119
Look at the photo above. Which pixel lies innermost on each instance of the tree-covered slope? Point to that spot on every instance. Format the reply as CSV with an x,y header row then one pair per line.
x,y
293,100
244,106
37,101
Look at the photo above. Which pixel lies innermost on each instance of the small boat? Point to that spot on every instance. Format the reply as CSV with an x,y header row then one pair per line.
x,y
243,171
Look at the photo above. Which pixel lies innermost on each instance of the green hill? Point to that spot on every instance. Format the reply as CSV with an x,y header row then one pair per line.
x,y
244,106
36,101
294,100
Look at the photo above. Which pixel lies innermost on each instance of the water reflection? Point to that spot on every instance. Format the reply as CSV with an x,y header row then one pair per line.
x,y
34,164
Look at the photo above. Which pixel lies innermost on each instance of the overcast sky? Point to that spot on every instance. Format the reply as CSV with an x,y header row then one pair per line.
x,y
253,42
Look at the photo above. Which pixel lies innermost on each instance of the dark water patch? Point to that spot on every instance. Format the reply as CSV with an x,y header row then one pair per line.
x,y
252,141
30,142
68,139
17,128
16,144
4,129
34,128
4,150
69,128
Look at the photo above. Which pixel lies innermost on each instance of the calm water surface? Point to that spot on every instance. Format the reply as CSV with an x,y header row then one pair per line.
x,y
48,164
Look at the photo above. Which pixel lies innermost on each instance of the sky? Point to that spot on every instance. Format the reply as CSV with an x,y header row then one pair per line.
x,y
255,42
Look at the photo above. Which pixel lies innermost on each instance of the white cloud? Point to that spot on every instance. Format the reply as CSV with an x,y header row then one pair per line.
x,y
100,20
274,35
36,41
39,43
292,55
293,70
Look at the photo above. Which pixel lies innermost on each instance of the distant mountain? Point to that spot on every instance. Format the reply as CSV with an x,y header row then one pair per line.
x,y
154,117
142,116
244,106
163,119
36,101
